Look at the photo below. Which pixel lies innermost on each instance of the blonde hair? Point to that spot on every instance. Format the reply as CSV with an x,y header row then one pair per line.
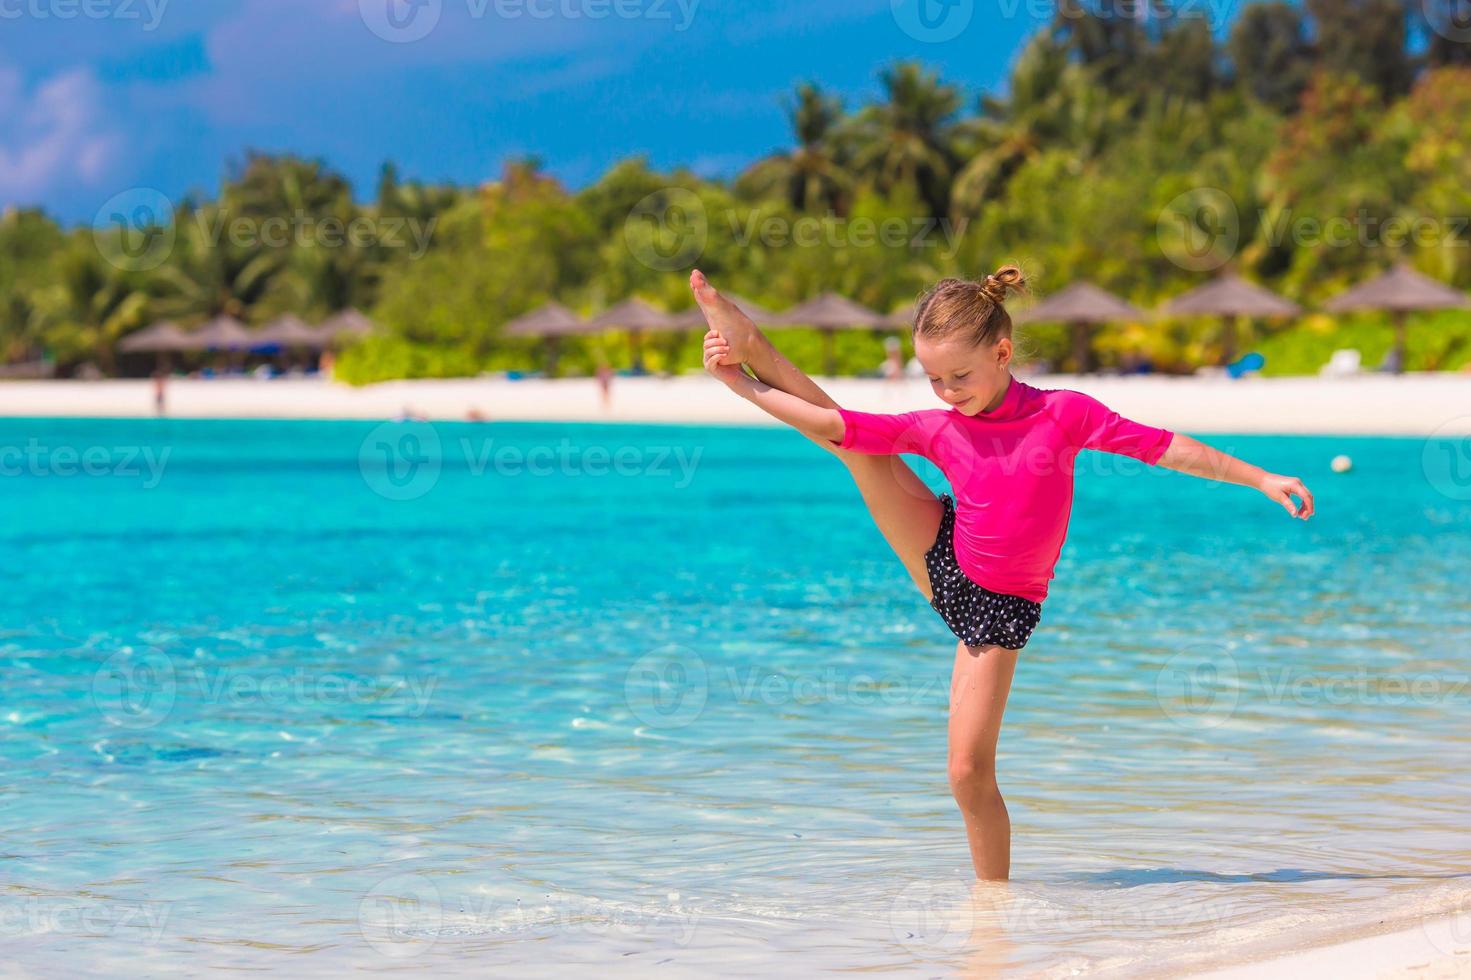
x,y
973,311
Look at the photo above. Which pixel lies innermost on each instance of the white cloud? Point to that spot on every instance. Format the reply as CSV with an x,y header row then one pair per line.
x,y
53,134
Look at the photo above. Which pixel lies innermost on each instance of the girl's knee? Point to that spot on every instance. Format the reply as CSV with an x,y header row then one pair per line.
x,y
971,776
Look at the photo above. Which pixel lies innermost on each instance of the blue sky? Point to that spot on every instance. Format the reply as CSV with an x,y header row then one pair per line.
x,y
101,96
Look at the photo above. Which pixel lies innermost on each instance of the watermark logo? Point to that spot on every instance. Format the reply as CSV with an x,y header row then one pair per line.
x,y
135,688
668,230
401,917
667,688
1446,458
401,460
1451,934
1451,19
1200,229
1199,686
53,917
401,21
933,21
927,918
149,12
135,231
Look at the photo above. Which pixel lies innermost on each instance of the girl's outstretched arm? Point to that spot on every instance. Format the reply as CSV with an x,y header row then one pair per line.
x,y
1196,458
825,423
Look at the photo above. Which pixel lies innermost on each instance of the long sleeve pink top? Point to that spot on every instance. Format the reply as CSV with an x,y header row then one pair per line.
x,y
1011,471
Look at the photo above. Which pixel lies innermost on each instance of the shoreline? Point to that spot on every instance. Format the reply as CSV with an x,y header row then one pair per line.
x,y
1435,948
1415,404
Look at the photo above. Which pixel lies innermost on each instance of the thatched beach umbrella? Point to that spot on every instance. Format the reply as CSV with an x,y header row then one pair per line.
x,y
637,317
161,339
343,325
1229,296
288,331
551,323
222,333
1398,292
831,313
1081,305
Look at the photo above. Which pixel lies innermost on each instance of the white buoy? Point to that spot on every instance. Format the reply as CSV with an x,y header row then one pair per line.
x,y
1341,464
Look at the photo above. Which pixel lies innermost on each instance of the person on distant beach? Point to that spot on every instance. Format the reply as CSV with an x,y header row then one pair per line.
x,y
605,384
893,369
982,558
160,392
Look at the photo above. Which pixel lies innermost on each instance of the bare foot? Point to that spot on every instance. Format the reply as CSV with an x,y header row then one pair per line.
x,y
725,317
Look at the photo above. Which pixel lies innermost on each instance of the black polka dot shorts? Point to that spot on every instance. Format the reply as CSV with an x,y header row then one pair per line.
x,y
974,614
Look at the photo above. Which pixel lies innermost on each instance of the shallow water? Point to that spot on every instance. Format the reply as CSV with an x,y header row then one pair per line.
x,y
658,700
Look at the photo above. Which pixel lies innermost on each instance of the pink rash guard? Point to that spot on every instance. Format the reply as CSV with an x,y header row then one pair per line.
x,y
1011,471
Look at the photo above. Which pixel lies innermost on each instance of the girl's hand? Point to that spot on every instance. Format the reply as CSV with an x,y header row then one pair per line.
x,y
1283,488
718,360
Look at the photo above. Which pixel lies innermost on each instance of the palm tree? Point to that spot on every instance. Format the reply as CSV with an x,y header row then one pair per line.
x,y
208,274
810,177
90,306
904,142
1054,102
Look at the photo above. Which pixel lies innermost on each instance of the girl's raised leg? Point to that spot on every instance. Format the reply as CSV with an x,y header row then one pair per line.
x,y
906,511
979,686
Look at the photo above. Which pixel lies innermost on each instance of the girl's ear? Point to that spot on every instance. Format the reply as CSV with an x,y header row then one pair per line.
x,y
1003,352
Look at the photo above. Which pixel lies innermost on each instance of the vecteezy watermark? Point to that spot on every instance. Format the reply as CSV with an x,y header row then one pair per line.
x,y
36,459
35,915
670,687
933,21
938,21
1446,458
667,688
404,460
669,229
1451,19
148,12
939,919
1201,230
830,685
303,230
408,914
137,230
134,231
279,687
1296,686
1450,934
407,21
1199,686
137,688
401,916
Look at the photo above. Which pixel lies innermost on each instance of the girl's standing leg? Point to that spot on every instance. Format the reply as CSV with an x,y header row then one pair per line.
x,y
979,686
906,511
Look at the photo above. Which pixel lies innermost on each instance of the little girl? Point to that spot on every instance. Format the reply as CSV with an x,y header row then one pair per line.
x,y
984,557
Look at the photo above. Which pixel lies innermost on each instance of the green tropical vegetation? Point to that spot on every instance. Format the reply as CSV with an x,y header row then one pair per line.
x,y
1330,140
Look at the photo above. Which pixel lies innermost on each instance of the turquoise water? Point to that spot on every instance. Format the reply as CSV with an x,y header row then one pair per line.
x,y
658,701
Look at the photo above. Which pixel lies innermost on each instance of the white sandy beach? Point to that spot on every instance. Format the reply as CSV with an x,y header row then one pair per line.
x,y
1417,404
1437,949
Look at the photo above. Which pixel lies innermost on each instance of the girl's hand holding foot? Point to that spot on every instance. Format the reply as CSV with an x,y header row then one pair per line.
x,y
718,360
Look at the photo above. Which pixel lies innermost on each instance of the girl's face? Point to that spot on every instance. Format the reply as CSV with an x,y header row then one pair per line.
x,y
967,378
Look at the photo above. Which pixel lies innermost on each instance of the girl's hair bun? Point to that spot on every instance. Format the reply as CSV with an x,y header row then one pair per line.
x,y
1004,280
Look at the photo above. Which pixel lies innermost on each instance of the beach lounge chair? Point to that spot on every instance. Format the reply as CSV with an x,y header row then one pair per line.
x,y
1341,364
